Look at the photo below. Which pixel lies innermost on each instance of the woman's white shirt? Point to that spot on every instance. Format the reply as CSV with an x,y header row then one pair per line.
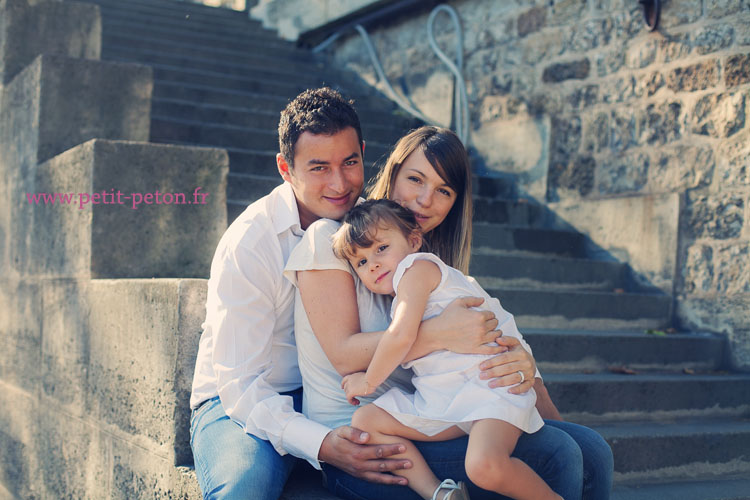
x,y
323,399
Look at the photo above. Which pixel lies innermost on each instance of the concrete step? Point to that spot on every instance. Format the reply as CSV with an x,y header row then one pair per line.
x,y
598,397
536,271
511,212
188,36
712,488
499,237
239,26
585,310
678,450
263,68
595,351
174,9
154,42
253,100
219,135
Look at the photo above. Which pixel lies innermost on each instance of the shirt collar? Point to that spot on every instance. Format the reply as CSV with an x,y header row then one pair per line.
x,y
286,213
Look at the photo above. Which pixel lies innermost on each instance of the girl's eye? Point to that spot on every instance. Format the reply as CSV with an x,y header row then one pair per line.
x,y
414,179
445,192
361,262
382,247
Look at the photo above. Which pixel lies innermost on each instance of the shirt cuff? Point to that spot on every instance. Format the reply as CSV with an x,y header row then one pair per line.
x,y
303,438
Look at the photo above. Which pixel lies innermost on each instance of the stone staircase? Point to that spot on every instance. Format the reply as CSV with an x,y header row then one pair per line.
x,y
678,423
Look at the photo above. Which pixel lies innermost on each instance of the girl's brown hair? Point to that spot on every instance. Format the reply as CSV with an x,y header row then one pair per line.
x,y
451,239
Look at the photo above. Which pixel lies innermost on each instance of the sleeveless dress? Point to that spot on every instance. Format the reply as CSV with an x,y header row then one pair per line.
x,y
448,388
323,400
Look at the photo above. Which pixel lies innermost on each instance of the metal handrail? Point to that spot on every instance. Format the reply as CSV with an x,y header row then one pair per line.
x,y
461,100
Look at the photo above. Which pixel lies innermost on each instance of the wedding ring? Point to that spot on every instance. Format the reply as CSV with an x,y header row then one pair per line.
x,y
522,376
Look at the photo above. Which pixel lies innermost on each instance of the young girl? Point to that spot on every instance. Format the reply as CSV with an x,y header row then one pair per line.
x,y
381,240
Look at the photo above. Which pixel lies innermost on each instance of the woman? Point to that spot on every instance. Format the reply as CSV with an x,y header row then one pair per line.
x,y
428,173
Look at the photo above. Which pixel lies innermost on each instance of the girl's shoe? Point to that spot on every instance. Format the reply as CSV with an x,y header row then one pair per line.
x,y
456,491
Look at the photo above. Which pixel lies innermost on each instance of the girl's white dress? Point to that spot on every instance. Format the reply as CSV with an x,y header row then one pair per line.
x,y
448,389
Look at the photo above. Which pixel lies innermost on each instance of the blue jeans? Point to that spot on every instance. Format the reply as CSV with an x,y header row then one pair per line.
x,y
231,464
574,460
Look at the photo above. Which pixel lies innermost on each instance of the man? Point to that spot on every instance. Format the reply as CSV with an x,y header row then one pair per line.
x,y
246,388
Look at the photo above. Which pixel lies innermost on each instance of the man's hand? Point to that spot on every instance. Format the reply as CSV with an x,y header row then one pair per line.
x,y
354,385
346,449
503,369
464,330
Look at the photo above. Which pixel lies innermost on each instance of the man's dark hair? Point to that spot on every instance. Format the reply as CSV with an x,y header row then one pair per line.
x,y
318,111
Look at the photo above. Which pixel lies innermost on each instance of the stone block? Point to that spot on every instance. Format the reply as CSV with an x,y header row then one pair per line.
x,y
65,352
138,474
511,140
661,123
538,46
623,123
737,70
128,230
143,336
719,115
573,70
590,34
74,456
639,230
715,216
622,174
531,21
571,178
19,464
82,100
698,273
728,315
648,84
21,334
723,8
681,168
734,162
566,11
678,12
595,132
583,97
48,27
713,38
609,61
732,263
698,76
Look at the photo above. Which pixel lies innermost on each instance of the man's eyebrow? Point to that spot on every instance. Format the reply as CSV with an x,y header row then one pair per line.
x,y
315,161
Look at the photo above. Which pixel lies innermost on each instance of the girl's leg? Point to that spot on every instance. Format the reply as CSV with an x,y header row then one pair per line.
x,y
489,464
384,429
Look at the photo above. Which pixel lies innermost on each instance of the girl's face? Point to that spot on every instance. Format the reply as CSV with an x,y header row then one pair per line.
x,y
376,264
419,188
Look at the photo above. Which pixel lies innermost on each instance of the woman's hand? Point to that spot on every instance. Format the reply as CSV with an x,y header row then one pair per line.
x,y
460,329
356,385
503,370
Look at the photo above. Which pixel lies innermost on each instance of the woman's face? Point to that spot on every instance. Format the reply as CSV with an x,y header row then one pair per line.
x,y
419,188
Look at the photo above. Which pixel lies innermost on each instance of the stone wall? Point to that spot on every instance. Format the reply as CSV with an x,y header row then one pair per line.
x,y
582,104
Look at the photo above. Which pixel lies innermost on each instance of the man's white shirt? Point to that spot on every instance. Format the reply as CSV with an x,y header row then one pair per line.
x,y
247,353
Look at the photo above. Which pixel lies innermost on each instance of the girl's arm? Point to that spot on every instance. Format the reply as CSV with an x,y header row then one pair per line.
x,y
413,291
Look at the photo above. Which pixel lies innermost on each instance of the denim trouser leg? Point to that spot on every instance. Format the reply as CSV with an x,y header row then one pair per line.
x,y
598,463
231,464
551,452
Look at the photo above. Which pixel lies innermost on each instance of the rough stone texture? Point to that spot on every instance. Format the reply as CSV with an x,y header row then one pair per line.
x,y
20,334
662,123
734,162
531,21
623,174
680,12
713,38
70,29
694,77
681,168
719,217
723,8
737,70
647,238
719,115
698,272
560,72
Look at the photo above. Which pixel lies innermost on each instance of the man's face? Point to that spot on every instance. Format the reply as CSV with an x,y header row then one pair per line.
x,y
328,174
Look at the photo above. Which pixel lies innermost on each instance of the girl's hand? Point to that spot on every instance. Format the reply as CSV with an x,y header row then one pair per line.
x,y
502,370
356,385
463,330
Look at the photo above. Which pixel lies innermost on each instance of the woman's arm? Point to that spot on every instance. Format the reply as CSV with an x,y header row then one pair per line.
x,y
330,300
